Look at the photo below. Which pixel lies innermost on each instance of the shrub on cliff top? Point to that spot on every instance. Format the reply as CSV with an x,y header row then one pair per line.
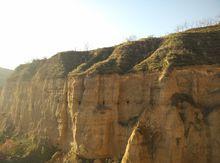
x,y
27,71
193,47
125,56
97,56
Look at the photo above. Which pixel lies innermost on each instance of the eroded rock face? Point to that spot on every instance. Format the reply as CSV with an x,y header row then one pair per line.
x,y
128,118
182,126
173,116
104,110
32,108
148,101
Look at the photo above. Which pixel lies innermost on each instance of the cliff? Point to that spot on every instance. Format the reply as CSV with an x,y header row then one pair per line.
x,y
151,100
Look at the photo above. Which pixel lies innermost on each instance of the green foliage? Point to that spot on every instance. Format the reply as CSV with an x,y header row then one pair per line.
x,y
16,147
24,149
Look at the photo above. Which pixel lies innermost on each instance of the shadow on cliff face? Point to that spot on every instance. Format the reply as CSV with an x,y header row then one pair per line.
x,y
179,98
152,137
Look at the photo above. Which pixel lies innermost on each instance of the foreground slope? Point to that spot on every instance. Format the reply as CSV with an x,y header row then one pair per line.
x,y
151,100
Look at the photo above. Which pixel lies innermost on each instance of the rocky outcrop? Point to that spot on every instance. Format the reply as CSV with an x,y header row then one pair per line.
x,y
182,126
142,101
104,110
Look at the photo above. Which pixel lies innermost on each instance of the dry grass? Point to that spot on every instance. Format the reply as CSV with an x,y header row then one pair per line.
x,y
200,46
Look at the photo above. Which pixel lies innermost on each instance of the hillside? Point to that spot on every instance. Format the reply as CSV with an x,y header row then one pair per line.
x,y
192,47
4,74
109,105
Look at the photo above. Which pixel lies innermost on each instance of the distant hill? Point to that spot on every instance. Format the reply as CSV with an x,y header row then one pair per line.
x,y
4,74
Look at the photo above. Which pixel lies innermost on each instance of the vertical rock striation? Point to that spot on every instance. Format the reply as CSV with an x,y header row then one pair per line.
x,y
148,101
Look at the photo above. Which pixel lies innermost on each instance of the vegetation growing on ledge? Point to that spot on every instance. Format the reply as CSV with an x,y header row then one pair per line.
x,y
193,47
27,71
125,56
97,56
24,149
199,46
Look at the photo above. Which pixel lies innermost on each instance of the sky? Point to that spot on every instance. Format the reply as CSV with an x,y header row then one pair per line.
x,y
35,29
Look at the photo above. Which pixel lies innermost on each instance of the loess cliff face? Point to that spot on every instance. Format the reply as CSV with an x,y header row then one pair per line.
x,y
182,126
103,114
152,100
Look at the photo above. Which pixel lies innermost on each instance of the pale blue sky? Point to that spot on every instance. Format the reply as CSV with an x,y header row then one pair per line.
x,y
158,17
39,28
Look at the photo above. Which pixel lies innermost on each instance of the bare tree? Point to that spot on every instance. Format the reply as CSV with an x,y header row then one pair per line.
x,y
199,23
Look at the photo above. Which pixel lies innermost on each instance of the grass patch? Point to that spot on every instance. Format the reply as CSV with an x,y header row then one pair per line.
x,y
200,46
194,47
23,149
